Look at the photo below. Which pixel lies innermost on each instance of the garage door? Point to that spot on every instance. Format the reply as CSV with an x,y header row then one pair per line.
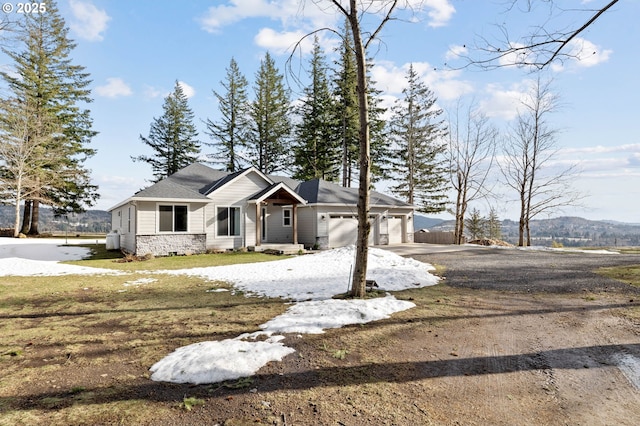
x,y
395,230
343,230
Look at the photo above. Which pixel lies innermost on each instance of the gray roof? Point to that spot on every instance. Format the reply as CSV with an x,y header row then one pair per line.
x,y
192,182
321,192
196,181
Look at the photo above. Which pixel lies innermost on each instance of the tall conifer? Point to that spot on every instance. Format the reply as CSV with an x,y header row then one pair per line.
x,y
229,133
316,150
417,132
270,122
51,86
172,137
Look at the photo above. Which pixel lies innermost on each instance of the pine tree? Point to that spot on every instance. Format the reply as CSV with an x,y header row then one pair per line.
x,y
271,125
316,150
172,137
54,90
230,132
476,225
417,132
347,106
380,151
494,225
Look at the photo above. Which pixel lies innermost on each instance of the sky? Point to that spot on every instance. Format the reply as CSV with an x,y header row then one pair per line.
x,y
135,51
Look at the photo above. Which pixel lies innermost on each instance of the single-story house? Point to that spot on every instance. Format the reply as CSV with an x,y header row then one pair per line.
x,y
198,209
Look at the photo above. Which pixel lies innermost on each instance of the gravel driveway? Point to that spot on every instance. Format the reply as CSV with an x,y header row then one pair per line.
x,y
525,271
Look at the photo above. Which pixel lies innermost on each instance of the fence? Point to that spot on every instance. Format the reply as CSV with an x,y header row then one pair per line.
x,y
438,237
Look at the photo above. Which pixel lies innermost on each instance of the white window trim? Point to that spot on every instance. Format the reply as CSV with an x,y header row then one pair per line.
x,y
241,221
290,210
174,205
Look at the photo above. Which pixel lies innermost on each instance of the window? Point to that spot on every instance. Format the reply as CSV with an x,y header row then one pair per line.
x,y
286,217
228,221
172,219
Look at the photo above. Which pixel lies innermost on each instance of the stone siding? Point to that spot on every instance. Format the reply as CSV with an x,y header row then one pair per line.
x,y
169,244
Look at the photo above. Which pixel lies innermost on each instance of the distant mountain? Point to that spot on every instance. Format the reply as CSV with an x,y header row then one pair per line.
x,y
569,231
423,222
92,221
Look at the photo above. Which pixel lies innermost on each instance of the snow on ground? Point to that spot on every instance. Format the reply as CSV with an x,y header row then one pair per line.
x,y
31,256
314,278
318,276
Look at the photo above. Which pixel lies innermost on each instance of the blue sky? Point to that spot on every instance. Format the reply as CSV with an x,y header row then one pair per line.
x,y
136,50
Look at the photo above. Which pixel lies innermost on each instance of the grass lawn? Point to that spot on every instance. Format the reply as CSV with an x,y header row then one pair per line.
x,y
68,344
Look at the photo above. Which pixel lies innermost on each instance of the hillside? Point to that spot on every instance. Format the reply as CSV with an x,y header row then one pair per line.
x,y
92,221
569,231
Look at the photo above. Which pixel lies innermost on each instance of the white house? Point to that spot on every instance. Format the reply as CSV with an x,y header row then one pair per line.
x,y
198,209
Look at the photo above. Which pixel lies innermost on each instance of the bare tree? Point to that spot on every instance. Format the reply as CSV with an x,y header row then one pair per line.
x,y
472,148
528,153
541,45
353,11
25,154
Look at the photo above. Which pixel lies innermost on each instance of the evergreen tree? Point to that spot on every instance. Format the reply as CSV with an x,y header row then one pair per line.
x,y
347,106
172,137
417,132
476,225
380,150
494,225
316,150
345,93
271,125
230,132
54,92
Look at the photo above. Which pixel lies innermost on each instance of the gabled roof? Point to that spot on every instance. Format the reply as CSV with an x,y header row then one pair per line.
x,y
274,189
196,182
318,191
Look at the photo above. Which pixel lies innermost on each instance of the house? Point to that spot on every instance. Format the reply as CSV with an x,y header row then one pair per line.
x,y
198,209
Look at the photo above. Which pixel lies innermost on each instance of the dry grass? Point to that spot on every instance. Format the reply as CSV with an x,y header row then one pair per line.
x,y
70,344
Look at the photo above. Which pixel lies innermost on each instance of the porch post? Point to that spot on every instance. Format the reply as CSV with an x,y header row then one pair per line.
x,y
258,224
294,218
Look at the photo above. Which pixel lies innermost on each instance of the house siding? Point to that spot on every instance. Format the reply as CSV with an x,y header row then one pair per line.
x,y
307,226
235,194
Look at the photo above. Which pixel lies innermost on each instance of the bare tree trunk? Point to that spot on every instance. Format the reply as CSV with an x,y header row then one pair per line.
x,y
26,217
358,284
35,218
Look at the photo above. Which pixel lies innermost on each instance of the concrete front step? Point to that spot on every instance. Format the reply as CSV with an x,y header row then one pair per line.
x,y
282,248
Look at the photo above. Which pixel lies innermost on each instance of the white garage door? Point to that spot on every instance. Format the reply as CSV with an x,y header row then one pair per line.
x,y
395,230
343,230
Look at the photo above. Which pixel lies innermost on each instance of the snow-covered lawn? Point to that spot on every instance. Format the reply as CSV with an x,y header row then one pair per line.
x,y
310,280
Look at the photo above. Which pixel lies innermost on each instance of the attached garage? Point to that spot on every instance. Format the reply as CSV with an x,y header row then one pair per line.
x,y
343,230
395,229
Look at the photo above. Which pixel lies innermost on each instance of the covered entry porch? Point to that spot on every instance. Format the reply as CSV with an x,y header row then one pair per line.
x,y
276,224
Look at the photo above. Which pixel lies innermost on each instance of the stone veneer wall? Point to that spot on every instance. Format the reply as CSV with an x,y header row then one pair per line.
x,y
167,244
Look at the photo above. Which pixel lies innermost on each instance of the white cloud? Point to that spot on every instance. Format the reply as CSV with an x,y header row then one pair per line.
x,y
587,54
391,79
440,12
88,21
504,102
151,92
189,91
282,42
115,88
297,16
288,12
455,52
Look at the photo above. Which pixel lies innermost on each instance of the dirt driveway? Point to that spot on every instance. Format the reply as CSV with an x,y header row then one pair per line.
x,y
514,338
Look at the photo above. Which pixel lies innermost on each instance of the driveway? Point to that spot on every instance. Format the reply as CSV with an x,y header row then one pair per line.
x,y
522,270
